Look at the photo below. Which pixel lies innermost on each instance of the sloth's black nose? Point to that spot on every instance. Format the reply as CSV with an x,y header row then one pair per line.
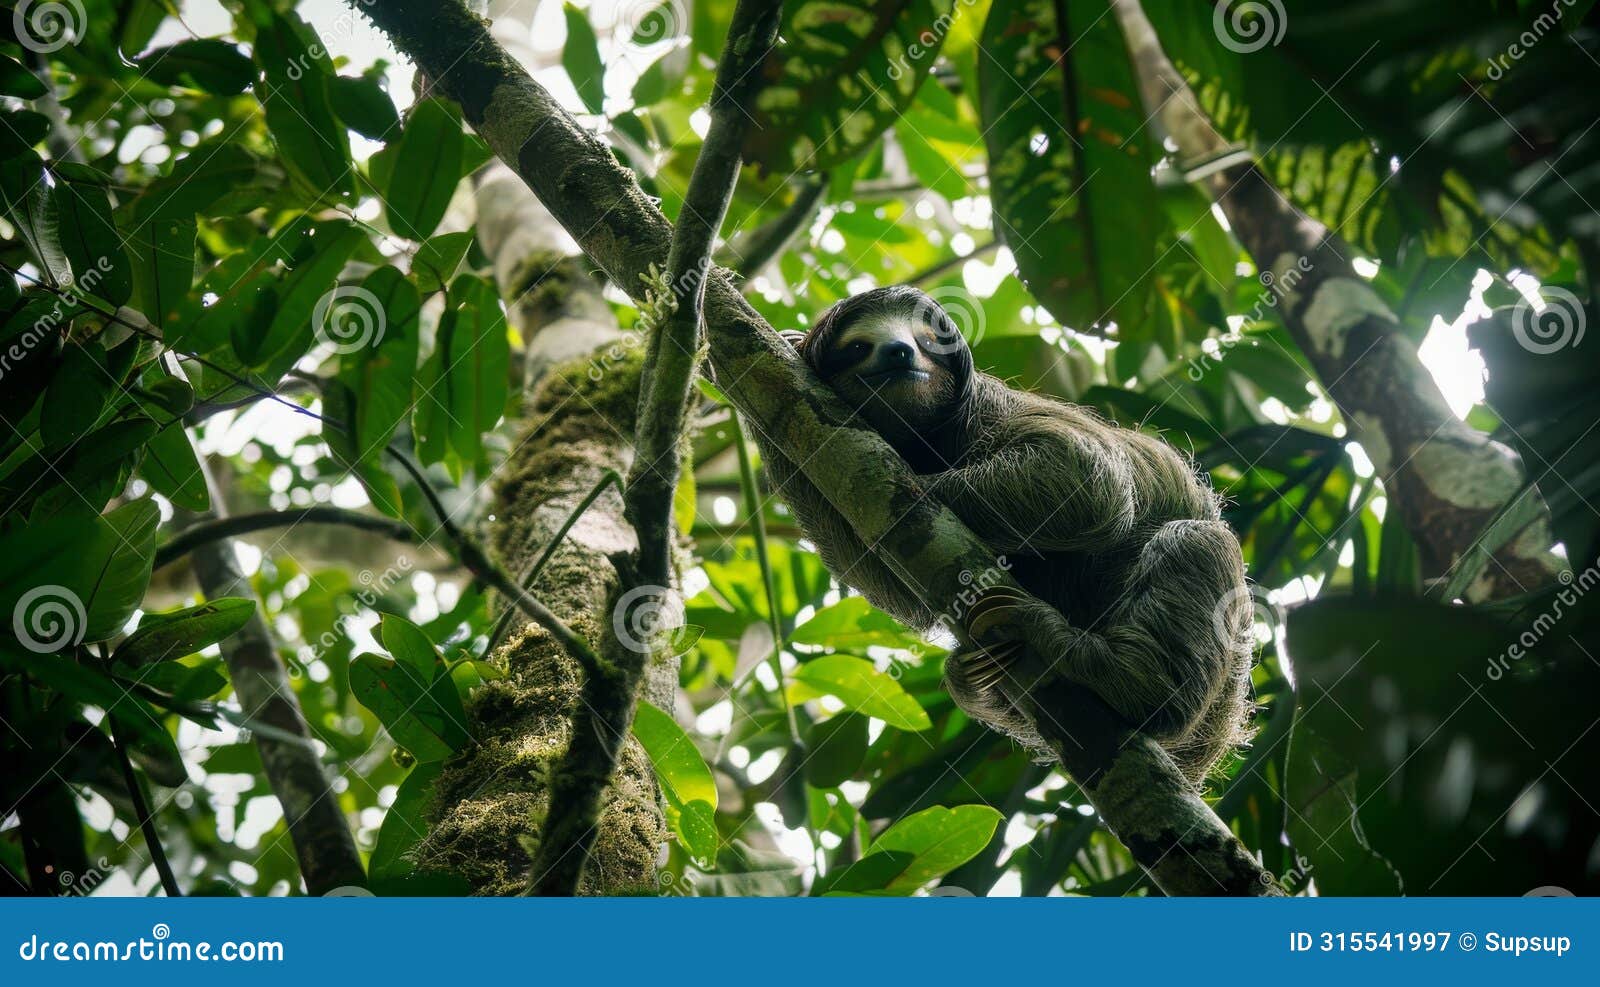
x,y
898,354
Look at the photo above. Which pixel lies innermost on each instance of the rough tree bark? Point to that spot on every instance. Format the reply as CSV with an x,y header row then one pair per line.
x,y
1447,479
1138,790
490,800
317,825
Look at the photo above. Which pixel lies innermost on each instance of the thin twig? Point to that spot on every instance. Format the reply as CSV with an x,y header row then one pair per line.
x,y
141,809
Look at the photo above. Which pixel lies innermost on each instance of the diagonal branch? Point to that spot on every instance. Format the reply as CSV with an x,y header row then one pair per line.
x,y
1138,790
1448,479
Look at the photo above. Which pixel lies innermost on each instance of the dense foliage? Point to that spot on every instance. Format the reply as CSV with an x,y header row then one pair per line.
x,y
226,244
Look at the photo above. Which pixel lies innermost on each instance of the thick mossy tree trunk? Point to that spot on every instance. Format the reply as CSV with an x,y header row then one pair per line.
x,y
490,800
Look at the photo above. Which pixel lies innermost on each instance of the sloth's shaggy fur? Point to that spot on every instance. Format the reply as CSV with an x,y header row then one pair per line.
x,y
1111,528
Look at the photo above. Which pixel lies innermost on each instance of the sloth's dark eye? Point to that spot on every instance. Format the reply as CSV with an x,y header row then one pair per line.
x,y
859,348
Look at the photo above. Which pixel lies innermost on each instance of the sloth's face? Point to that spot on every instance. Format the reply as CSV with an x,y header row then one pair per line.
x,y
891,367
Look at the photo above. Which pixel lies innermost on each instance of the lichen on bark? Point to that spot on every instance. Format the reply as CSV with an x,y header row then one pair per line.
x,y
491,798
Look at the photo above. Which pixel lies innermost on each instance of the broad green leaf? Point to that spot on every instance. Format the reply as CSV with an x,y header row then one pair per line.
x,y
1070,160
862,688
30,203
91,241
16,80
211,64
425,169
306,301
405,823
942,839
844,71
409,645
423,715
438,259
211,179
173,470
690,790
378,362
364,106
677,761
80,392
293,89
835,748
69,579
581,58
853,624
465,383
171,635
874,872
163,265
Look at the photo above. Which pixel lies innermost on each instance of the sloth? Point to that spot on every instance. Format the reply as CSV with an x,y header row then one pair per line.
x,y
1109,528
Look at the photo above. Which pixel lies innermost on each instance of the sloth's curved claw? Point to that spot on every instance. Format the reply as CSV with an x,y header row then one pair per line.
x,y
985,667
995,607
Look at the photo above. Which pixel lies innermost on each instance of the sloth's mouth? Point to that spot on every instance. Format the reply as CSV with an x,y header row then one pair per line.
x,y
892,375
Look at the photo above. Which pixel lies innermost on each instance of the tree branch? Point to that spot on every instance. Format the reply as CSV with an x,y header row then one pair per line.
x,y
663,404
1136,787
1447,478
219,528
751,253
317,827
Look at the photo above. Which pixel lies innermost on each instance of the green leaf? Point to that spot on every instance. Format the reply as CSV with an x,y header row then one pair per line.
x,y
363,104
874,872
844,72
80,392
30,204
853,624
690,790
305,301
941,839
1070,160
172,469
404,825
211,64
93,246
163,265
438,259
425,171
293,89
581,59
70,579
862,688
381,371
166,636
413,696
465,383
423,715
835,748
16,80
208,178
